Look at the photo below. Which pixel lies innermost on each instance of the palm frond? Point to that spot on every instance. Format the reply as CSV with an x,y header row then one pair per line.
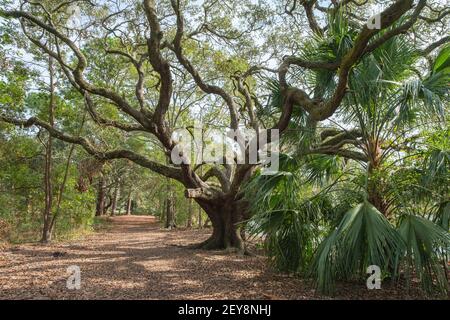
x,y
364,237
320,169
427,248
442,216
442,60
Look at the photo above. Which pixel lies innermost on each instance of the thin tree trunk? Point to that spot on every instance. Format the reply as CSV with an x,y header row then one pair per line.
x,y
129,204
107,206
100,196
190,214
207,222
199,219
170,204
66,175
170,214
200,223
48,187
115,197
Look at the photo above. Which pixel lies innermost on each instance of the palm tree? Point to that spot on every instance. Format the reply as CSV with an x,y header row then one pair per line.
x,y
334,208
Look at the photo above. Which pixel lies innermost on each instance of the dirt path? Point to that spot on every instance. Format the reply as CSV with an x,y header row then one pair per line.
x,y
135,259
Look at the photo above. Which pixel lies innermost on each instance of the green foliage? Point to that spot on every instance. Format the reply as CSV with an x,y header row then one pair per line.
x,y
442,60
312,214
364,237
320,169
22,192
427,247
287,214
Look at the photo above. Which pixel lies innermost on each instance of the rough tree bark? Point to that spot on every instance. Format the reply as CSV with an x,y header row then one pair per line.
x,y
374,189
225,218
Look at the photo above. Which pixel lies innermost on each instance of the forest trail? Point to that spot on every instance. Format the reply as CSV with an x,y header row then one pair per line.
x,y
136,259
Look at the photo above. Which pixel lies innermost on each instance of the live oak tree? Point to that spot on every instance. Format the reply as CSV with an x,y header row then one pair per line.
x,y
224,50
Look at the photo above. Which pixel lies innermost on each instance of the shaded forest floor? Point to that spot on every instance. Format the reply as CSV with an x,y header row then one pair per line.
x,y
135,259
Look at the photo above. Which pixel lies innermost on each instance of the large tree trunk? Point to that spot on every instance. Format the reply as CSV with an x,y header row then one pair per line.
x,y
225,219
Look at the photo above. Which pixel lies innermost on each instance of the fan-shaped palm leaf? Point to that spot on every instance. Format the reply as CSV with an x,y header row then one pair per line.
x,y
364,237
427,247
